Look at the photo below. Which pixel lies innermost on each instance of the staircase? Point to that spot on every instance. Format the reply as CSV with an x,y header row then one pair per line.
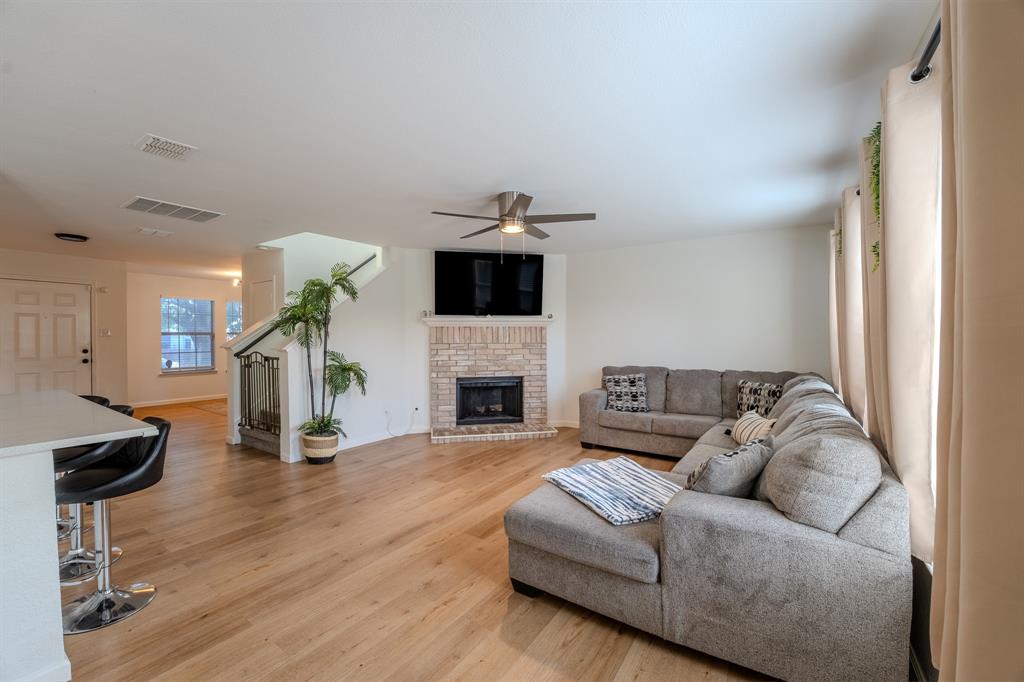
x,y
267,395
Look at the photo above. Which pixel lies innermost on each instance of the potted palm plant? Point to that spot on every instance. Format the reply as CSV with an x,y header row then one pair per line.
x,y
306,314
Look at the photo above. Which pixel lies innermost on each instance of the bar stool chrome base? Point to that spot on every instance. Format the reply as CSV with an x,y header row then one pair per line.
x,y
65,527
102,608
79,566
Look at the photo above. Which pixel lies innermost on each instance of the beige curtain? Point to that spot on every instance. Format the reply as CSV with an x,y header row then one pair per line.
x,y
907,278
852,360
978,592
876,383
835,305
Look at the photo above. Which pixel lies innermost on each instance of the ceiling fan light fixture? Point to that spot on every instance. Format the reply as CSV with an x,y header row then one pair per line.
x,y
512,226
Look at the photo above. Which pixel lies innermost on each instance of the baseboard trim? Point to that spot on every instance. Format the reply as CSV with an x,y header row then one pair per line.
x,y
565,423
180,401
349,443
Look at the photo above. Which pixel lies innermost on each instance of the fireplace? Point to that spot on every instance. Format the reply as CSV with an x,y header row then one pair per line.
x,y
488,400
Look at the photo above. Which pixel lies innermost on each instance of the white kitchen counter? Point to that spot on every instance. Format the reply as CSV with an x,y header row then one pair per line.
x,y
32,425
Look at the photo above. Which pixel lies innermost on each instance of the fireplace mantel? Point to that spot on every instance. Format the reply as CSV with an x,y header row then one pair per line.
x,y
474,321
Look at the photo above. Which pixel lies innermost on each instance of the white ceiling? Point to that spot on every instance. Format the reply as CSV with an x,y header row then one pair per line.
x,y
358,119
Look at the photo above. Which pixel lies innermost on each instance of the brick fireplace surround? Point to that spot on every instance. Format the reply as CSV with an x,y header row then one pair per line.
x,y
486,348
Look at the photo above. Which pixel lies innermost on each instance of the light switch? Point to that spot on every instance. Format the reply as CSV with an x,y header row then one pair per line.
x,y
104,331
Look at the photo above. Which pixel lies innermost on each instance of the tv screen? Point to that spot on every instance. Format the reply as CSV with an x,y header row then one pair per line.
x,y
471,283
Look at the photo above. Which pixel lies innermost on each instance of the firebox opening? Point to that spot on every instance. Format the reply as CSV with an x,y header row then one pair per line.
x,y
488,400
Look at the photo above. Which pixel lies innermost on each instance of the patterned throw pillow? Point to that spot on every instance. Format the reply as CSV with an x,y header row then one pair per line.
x,y
732,473
757,396
627,392
750,427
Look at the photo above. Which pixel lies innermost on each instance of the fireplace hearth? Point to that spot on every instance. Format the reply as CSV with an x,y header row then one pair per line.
x,y
488,400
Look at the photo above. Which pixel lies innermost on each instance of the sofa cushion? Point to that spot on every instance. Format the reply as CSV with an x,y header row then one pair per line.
x,y
798,392
627,421
732,473
694,391
626,392
802,378
822,480
720,435
819,419
683,425
554,522
656,377
696,456
783,419
731,381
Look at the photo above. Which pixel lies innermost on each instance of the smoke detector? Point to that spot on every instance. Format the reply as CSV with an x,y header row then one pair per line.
x,y
155,206
153,232
162,146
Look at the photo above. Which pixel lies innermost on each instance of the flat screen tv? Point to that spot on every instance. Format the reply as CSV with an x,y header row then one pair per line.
x,y
474,283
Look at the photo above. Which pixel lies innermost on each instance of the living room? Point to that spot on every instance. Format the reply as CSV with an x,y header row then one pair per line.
x,y
498,341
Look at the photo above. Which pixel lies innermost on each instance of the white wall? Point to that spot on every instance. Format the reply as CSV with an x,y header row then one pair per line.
x,y
108,280
555,282
146,384
383,331
756,300
307,255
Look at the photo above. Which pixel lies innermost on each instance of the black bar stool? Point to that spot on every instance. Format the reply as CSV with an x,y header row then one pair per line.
x,y
79,564
139,465
66,524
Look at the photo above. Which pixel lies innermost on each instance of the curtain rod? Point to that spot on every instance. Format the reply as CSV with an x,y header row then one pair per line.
x,y
924,65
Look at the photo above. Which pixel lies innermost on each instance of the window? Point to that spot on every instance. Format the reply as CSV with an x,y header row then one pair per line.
x,y
234,319
186,335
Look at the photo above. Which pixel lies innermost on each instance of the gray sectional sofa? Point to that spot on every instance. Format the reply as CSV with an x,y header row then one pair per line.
x,y
818,587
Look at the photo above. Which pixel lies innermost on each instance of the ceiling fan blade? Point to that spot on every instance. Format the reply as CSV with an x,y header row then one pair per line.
x,y
463,215
559,217
520,205
535,231
486,229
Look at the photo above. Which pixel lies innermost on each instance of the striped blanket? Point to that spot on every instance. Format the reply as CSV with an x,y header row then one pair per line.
x,y
619,490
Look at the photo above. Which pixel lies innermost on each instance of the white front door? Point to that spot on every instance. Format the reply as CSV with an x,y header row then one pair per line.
x,y
45,337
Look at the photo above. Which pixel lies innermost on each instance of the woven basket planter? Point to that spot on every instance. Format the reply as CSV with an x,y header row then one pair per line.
x,y
319,449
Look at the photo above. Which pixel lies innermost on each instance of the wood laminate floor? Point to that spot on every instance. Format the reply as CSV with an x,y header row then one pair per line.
x,y
389,564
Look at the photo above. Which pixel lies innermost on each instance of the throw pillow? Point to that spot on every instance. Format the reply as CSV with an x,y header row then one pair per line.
x,y
732,473
751,426
822,480
618,490
757,396
627,392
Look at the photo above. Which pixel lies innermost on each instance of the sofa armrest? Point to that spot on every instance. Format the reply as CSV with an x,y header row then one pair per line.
x,y
743,582
591,402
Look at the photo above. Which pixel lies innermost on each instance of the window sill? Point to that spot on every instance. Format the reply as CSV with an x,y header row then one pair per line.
x,y
186,372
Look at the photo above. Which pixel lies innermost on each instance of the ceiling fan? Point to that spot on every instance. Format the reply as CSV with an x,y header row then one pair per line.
x,y
512,218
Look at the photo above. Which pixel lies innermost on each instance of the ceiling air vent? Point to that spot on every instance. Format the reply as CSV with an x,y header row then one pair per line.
x,y
162,146
157,207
